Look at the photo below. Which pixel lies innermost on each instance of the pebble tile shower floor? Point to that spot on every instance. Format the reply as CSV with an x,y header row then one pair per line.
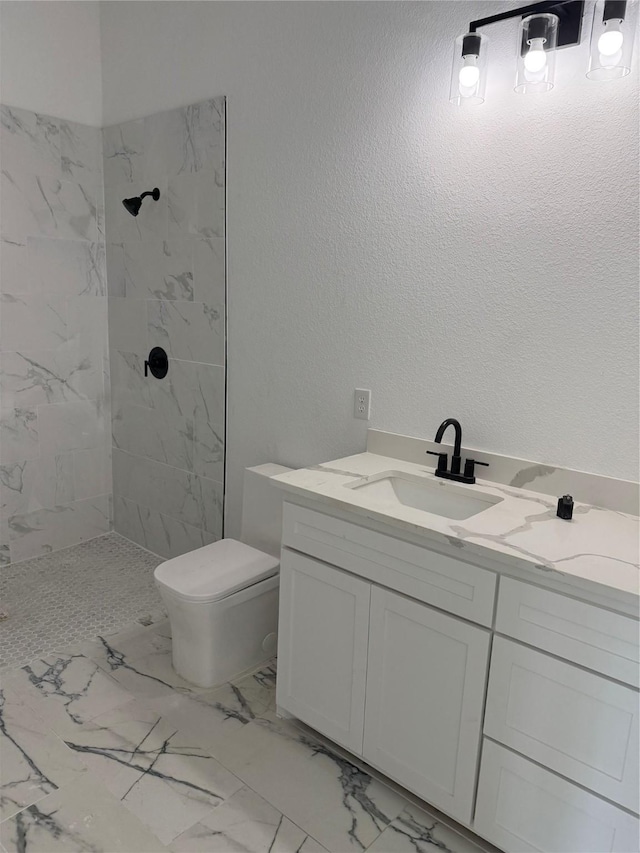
x,y
61,599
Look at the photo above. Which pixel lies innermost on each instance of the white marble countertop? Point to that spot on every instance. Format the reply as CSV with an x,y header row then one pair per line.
x,y
598,546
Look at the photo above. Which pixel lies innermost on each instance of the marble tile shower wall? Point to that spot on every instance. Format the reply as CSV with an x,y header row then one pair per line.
x,y
55,470
166,284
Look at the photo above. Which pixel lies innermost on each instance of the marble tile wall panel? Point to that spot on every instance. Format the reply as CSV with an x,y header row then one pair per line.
x,y
30,142
169,537
180,494
128,325
70,267
196,205
55,480
39,205
5,557
34,377
139,430
209,271
14,275
81,152
123,148
41,483
159,269
46,530
189,331
33,321
185,140
166,283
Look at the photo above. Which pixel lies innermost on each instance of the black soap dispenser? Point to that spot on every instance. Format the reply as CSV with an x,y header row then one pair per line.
x,y
565,507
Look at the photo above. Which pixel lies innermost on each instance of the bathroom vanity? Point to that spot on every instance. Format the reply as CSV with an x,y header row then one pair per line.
x,y
485,658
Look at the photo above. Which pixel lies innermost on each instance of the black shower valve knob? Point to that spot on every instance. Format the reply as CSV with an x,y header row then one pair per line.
x,y
157,363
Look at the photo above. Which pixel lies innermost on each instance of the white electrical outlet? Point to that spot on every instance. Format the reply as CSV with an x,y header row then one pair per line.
x,y
362,404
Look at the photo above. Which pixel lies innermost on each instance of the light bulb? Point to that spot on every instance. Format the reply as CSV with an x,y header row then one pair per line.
x,y
610,42
469,75
535,59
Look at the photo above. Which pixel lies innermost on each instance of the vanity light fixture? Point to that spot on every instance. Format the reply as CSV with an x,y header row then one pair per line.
x,y
469,71
536,62
612,36
545,27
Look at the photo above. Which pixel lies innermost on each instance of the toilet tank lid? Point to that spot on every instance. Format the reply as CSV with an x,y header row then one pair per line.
x,y
215,571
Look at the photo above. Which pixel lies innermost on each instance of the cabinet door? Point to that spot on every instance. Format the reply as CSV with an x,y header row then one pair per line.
x,y
425,692
322,647
524,808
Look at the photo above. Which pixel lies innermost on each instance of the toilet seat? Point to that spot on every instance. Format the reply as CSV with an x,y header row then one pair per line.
x,y
215,571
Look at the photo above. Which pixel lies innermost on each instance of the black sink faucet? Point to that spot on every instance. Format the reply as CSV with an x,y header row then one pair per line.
x,y
456,460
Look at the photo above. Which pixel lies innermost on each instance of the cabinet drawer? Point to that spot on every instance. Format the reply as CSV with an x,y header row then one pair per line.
x,y
425,575
580,632
524,808
572,721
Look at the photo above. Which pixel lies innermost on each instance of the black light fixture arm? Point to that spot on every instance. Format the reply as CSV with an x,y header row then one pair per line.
x,y
522,12
569,12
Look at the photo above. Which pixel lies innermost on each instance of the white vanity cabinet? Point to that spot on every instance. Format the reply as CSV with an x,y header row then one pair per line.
x,y
511,707
356,657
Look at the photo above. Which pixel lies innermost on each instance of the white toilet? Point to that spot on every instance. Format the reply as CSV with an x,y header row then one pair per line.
x,y
222,599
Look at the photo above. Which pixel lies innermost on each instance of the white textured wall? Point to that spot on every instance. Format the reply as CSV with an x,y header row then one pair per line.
x,y
480,264
50,58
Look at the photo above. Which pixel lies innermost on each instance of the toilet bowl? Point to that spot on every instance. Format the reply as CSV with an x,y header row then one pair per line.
x,y
222,599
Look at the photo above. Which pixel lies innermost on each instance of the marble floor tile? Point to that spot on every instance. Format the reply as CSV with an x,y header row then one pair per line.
x,y
110,651
67,690
341,806
34,762
155,770
417,831
151,675
211,716
81,818
245,823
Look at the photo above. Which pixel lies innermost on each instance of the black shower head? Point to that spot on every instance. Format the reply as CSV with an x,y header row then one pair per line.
x,y
133,204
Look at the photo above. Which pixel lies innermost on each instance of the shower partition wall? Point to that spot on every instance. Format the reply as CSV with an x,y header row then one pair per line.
x,y
55,470
166,286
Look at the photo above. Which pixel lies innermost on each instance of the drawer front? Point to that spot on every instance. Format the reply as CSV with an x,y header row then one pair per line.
x,y
425,575
524,808
579,632
572,721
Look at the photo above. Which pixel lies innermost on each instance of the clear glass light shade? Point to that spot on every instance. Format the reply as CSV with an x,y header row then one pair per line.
x,y
612,37
469,70
537,42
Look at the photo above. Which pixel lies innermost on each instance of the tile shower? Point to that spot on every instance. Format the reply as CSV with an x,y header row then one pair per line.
x,y
166,283
87,443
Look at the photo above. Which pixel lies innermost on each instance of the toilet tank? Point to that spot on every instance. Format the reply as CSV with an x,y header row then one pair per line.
x,y
262,508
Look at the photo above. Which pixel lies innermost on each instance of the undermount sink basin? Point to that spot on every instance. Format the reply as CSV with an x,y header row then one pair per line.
x,y
433,496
